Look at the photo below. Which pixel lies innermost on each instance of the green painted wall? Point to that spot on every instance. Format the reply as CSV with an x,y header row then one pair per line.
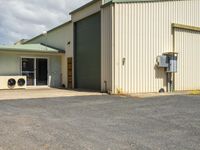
x,y
55,70
10,64
57,38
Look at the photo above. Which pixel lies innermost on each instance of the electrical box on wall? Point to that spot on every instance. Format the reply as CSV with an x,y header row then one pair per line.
x,y
162,61
168,61
172,64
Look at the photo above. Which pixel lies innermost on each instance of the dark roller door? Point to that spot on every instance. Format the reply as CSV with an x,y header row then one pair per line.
x,y
88,53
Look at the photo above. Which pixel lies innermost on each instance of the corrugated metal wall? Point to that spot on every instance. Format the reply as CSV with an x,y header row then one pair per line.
x,y
106,48
142,32
187,44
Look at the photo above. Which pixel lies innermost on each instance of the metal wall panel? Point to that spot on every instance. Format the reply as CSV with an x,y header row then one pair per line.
x,y
187,44
142,32
106,48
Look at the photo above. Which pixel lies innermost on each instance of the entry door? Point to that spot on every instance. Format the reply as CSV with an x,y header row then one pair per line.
x,y
36,71
28,65
41,71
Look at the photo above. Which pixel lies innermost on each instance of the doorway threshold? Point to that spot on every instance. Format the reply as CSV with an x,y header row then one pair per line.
x,y
37,87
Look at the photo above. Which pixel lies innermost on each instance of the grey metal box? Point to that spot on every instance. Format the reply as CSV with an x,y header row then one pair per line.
x,y
172,64
162,61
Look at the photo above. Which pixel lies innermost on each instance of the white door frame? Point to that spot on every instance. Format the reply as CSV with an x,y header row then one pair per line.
x,y
35,74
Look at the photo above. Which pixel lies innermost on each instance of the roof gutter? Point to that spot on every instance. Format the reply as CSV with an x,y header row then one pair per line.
x,y
106,4
30,51
58,49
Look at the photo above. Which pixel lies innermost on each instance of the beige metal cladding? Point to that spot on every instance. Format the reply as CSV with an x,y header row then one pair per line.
x,y
106,48
187,44
68,53
142,32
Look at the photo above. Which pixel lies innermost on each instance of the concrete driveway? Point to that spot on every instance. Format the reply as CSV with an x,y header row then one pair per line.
x,y
101,123
42,93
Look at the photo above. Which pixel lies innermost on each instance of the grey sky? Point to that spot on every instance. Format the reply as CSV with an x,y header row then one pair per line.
x,y
27,18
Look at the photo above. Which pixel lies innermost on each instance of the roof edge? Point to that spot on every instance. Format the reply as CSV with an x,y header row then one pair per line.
x,y
107,4
129,1
30,51
84,6
134,1
56,50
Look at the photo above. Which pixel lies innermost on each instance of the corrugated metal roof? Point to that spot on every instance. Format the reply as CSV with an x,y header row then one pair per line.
x,y
41,48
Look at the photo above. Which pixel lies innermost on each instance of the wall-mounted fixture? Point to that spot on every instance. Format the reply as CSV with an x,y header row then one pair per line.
x,y
172,58
169,62
44,33
123,61
162,61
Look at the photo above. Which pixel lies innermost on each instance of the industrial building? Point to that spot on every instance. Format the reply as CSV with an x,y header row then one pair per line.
x,y
119,46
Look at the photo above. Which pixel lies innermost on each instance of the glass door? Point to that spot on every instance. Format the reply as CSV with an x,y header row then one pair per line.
x,y
41,71
28,70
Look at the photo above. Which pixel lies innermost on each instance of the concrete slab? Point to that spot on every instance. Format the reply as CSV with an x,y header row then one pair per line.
x,y
149,95
42,93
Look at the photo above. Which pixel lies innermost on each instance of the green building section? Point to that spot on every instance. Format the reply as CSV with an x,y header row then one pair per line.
x,y
88,53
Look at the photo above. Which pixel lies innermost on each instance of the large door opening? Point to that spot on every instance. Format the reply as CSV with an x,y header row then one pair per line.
x,y
87,53
187,44
36,71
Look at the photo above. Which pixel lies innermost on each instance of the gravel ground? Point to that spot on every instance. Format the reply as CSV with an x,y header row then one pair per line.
x,y
101,123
